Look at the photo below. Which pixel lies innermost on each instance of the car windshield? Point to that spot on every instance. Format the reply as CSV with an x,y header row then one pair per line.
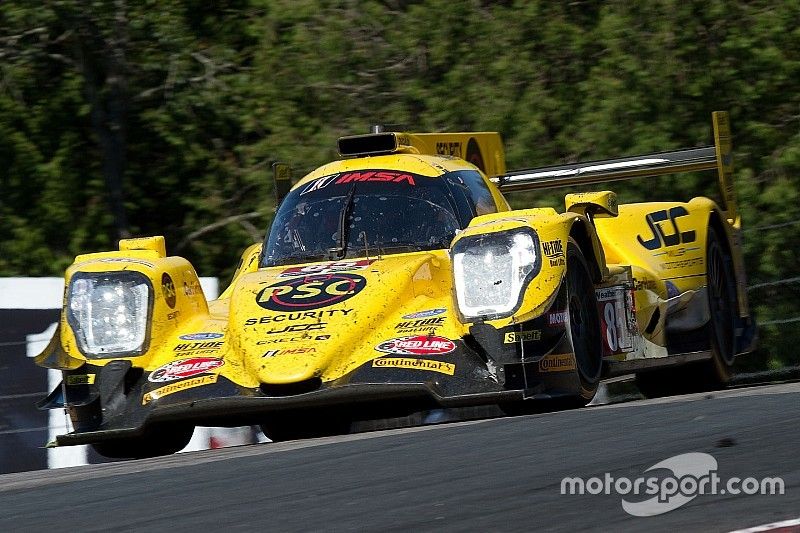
x,y
339,216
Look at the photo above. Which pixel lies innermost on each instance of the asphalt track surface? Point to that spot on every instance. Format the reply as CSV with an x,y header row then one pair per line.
x,y
490,475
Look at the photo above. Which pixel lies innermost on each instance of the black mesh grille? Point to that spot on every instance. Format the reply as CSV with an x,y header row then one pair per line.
x,y
290,389
376,143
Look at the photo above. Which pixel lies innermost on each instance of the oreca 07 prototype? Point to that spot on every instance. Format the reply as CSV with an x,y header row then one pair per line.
x,y
396,280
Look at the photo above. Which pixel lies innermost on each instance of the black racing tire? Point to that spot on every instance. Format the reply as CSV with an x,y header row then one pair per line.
x,y
714,373
584,334
295,426
723,305
156,441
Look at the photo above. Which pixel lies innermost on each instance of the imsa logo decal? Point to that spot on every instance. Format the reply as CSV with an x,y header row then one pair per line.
x,y
311,292
417,345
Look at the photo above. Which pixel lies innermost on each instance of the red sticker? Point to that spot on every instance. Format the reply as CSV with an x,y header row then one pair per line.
x,y
417,345
184,368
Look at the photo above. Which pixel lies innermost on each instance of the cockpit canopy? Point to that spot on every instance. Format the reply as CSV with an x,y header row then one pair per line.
x,y
374,211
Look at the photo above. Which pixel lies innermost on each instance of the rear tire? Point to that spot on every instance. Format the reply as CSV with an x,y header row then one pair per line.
x,y
158,440
715,373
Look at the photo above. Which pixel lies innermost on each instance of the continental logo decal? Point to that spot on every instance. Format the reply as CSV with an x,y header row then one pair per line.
x,y
81,379
172,388
557,363
310,292
522,336
415,364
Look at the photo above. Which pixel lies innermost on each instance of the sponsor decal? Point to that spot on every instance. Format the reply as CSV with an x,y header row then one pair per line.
x,y
172,388
124,260
326,268
184,368
557,363
192,288
311,292
312,315
417,345
376,175
81,379
617,319
554,251
391,176
684,263
556,319
426,324
522,336
414,364
425,314
168,290
670,236
449,148
289,351
301,338
200,336
192,346
293,328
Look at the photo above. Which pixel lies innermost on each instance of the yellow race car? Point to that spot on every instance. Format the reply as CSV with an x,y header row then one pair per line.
x,y
396,280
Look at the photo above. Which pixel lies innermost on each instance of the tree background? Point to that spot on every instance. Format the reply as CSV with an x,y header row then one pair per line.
x,y
122,118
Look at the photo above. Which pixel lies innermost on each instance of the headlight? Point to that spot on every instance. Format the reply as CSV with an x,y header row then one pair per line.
x,y
492,271
109,313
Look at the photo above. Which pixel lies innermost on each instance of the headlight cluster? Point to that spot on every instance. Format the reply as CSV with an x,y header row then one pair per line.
x,y
492,271
109,313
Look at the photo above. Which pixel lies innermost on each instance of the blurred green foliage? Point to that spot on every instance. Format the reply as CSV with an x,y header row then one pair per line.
x,y
134,118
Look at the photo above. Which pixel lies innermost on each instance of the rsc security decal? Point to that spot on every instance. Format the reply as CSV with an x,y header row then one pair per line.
x,y
315,315
185,368
310,292
417,345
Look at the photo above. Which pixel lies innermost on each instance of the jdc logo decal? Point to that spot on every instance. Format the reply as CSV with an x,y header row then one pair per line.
x,y
660,238
311,292
298,327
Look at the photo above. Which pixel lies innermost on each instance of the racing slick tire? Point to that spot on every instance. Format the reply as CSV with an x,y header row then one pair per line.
x,y
716,372
584,333
156,441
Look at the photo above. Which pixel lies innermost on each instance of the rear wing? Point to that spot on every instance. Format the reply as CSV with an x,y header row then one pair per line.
x,y
718,157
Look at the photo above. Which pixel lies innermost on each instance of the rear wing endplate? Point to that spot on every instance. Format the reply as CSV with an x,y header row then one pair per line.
x,y
717,157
